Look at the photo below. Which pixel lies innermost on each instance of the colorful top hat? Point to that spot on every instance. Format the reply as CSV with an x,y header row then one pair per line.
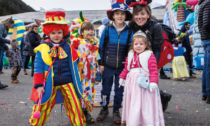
x,y
119,5
140,2
55,17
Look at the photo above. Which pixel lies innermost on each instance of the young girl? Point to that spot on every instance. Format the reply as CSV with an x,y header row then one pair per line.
x,y
179,66
88,65
141,106
56,61
114,44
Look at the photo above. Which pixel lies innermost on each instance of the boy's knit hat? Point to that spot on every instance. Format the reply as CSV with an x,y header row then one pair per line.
x,y
119,5
14,43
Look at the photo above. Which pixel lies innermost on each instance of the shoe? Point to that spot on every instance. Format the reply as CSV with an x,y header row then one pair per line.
x,y
17,80
25,72
102,115
1,72
3,86
192,76
117,118
204,97
89,118
14,81
183,79
165,98
164,77
27,68
208,100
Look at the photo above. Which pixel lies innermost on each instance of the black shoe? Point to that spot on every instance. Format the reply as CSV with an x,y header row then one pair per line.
x,y
164,77
89,118
3,86
117,118
165,98
208,100
27,68
204,97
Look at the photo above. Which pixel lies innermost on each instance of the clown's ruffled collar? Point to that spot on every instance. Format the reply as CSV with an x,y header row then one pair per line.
x,y
92,41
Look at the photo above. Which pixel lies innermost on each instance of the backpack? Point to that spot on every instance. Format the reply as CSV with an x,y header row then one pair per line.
x,y
167,51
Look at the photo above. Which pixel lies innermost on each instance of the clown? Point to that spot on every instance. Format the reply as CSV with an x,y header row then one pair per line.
x,y
56,62
87,48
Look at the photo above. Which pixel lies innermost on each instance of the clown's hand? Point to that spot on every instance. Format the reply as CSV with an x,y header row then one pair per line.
x,y
153,86
121,82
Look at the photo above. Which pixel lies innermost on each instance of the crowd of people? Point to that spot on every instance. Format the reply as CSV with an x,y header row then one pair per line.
x,y
126,55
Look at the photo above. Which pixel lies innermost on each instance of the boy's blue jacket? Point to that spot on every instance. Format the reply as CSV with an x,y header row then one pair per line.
x,y
116,50
42,64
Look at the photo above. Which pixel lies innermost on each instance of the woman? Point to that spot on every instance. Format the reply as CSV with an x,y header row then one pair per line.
x,y
34,42
4,27
26,51
143,20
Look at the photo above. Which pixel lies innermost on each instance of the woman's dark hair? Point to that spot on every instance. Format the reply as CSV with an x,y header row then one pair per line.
x,y
34,26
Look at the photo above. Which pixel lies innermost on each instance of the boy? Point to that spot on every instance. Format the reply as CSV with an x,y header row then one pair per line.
x,y
113,49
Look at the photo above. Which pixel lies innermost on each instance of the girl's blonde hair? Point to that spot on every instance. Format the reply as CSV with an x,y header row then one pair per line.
x,y
144,40
6,22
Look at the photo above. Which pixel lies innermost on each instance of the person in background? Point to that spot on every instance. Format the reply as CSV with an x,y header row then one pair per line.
x,y
4,27
34,42
105,22
204,29
26,51
15,61
186,44
22,45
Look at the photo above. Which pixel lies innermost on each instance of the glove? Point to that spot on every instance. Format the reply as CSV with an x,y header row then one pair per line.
x,y
121,82
153,86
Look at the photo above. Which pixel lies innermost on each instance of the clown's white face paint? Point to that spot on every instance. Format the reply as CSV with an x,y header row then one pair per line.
x,y
141,17
139,46
56,36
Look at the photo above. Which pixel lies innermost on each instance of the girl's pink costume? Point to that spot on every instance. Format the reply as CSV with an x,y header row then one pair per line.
x,y
140,106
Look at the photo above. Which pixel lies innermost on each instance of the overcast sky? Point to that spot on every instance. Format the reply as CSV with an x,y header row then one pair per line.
x,y
74,4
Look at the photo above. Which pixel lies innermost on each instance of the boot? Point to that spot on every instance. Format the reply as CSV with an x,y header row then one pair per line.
x,y
204,97
14,81
165,98
25,72
88,117
164,77
102,115
208,100
117,118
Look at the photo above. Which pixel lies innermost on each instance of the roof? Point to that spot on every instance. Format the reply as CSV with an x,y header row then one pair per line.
x,y
30,17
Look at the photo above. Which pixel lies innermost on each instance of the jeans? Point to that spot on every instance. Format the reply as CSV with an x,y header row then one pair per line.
x,y
206,68
1,58
27,58
108,77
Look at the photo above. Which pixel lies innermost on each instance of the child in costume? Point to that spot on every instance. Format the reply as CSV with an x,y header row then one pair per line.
x,y
141,106
179,65
15,61
87,48
113,48
56,58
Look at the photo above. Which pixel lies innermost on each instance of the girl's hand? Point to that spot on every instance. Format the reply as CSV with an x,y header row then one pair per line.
x,y
121,82
97,82
153,86
101,68
40,90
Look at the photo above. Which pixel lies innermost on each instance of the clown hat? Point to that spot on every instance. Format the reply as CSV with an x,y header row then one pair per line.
x,y
140,2
119,5
55,17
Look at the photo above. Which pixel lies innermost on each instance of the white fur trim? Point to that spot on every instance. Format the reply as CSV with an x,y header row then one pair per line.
x,y
143,57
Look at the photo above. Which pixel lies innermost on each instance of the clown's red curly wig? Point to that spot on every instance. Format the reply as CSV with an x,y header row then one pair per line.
x,y
47,28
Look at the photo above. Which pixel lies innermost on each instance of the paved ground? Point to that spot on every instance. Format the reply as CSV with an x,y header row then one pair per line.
x,y
187,95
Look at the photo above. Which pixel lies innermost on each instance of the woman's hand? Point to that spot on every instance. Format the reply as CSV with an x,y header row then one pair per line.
x,y
97,82
40,90
101,68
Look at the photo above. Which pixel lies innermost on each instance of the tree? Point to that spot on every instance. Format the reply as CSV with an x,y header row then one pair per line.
x,y
180,6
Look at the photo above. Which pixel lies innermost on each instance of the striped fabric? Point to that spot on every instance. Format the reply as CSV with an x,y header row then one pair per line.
x,y
60,18
20,29
71,103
